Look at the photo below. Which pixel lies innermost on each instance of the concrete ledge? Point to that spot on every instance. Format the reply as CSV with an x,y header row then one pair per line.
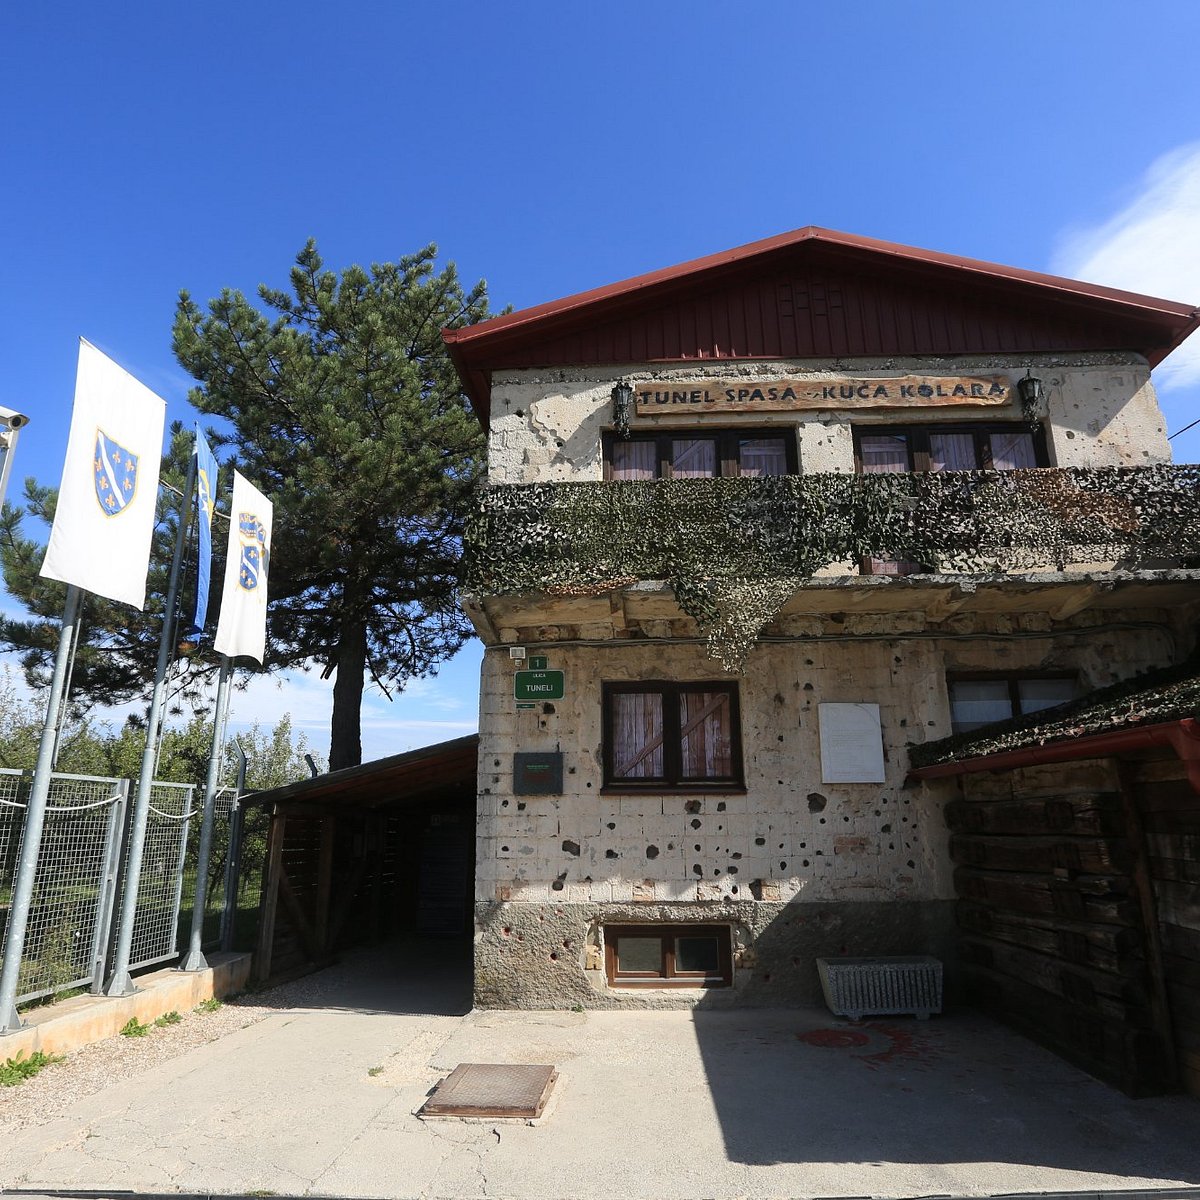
x,y
59,1028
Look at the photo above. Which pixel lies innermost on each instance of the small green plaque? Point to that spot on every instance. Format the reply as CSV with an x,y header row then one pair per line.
x,y
538,662
538,685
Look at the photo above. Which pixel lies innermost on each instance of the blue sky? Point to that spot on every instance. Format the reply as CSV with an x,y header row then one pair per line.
x,y
552,147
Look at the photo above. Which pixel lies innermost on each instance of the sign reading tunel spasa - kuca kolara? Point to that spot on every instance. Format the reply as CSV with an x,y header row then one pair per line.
x,y
783,395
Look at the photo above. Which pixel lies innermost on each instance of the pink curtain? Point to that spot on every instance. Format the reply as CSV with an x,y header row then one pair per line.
x,y
883,453
952,452
638,735
762,456
634,460
693,458
1012,451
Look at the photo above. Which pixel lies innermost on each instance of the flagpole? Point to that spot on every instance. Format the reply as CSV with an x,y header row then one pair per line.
x,y
121,984
66,690
35,816
194,959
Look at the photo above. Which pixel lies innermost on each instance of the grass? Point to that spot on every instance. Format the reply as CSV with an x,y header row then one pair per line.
x,y
168,1018
19,1068
373,1071
208,1006
134,1028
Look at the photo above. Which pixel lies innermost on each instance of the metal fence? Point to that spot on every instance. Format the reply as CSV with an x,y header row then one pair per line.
x,y
160,887
71,910
81,871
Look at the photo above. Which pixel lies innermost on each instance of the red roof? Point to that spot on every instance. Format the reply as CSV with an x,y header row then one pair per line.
x,y
816,293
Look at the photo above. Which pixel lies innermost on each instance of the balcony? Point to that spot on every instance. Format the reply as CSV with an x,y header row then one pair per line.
x,y
733,555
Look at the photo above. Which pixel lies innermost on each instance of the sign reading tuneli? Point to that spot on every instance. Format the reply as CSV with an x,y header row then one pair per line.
x,y
685,398
539,685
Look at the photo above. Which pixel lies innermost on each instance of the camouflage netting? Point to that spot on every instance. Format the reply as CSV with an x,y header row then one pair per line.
x,y
734,550
1170,694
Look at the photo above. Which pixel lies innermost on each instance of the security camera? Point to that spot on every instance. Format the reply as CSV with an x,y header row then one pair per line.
x,y
12,420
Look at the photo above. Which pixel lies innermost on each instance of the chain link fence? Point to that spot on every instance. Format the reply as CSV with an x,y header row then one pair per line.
x,y
71,909
160,887
82,866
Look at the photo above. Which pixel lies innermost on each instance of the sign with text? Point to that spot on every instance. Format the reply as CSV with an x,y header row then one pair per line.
x,y
539,685
790,395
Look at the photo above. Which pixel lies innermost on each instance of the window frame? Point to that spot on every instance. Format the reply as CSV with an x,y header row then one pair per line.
x,y
1014,679
917,436
727,437
668,977
672,779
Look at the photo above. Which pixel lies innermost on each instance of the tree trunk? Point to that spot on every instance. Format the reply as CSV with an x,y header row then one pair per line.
x,y
345,743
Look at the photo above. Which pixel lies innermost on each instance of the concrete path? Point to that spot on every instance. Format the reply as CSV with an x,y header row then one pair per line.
x,y
668,1105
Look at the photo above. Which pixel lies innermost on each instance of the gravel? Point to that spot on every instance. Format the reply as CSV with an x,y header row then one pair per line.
x,y
91,1068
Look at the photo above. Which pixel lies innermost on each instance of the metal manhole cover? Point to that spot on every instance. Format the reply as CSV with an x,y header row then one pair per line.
x,y
492,1090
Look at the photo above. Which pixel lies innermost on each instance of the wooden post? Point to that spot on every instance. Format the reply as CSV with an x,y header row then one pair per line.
x,y
325,885
270,897
1143,883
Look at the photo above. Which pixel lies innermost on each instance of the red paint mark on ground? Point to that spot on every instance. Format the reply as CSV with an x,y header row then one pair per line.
x,y
834,1038
876,1044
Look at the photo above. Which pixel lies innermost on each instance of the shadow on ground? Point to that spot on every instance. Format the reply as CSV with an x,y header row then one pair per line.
x,y
405,976
803,1086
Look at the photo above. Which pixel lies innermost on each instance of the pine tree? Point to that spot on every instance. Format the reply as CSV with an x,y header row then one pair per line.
x,y
346,411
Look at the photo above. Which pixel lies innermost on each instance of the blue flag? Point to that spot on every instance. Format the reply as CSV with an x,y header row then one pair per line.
x,y
206,486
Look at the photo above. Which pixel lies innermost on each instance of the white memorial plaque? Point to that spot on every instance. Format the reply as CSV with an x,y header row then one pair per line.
x,y
851,743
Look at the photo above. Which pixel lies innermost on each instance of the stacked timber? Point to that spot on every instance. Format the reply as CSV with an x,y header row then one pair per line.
x,y
1052,931
1170,815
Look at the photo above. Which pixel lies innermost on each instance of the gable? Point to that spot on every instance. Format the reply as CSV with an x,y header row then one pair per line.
x,y
818,294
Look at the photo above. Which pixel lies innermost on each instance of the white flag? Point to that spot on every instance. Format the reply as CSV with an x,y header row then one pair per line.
x,y
104,522
242,626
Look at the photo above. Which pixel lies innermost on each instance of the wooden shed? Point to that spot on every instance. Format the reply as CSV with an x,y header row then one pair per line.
x,y
1076,843
365,853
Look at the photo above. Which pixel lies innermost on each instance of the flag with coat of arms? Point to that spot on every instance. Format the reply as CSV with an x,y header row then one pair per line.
x,y
242,625
104,522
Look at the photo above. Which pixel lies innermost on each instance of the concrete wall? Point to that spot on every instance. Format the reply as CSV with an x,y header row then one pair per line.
x,y
1101,409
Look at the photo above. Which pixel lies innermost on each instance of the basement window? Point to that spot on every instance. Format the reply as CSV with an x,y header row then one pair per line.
x,y
697,956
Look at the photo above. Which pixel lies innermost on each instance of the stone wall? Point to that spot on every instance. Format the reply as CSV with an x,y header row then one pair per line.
x,y
1101,409
838,864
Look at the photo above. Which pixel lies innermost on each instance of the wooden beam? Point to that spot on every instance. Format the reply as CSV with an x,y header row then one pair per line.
x,y
324,883
299,917
270,897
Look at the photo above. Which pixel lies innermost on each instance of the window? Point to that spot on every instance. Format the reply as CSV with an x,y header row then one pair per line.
x,y
668,955
983,699
942,448
684,454
682,736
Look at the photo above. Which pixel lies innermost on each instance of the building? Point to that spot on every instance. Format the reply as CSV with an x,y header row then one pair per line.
x,y
754,525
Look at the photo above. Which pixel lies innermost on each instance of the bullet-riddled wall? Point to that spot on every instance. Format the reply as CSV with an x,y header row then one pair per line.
x,y
796,867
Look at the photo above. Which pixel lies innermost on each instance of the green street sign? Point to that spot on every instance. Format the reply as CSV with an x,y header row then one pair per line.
x,y
539,685
538,662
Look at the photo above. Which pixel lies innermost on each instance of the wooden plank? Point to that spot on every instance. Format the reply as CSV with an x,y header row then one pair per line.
x,y
1133,1059
1115,997
1143,887
1092,898
300,919
1086,814
270,898
1098,856
1178,903
1181,942
324,884
1112,948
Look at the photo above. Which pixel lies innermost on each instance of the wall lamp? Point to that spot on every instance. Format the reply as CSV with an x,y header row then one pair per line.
x,y
622,397
1032,392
